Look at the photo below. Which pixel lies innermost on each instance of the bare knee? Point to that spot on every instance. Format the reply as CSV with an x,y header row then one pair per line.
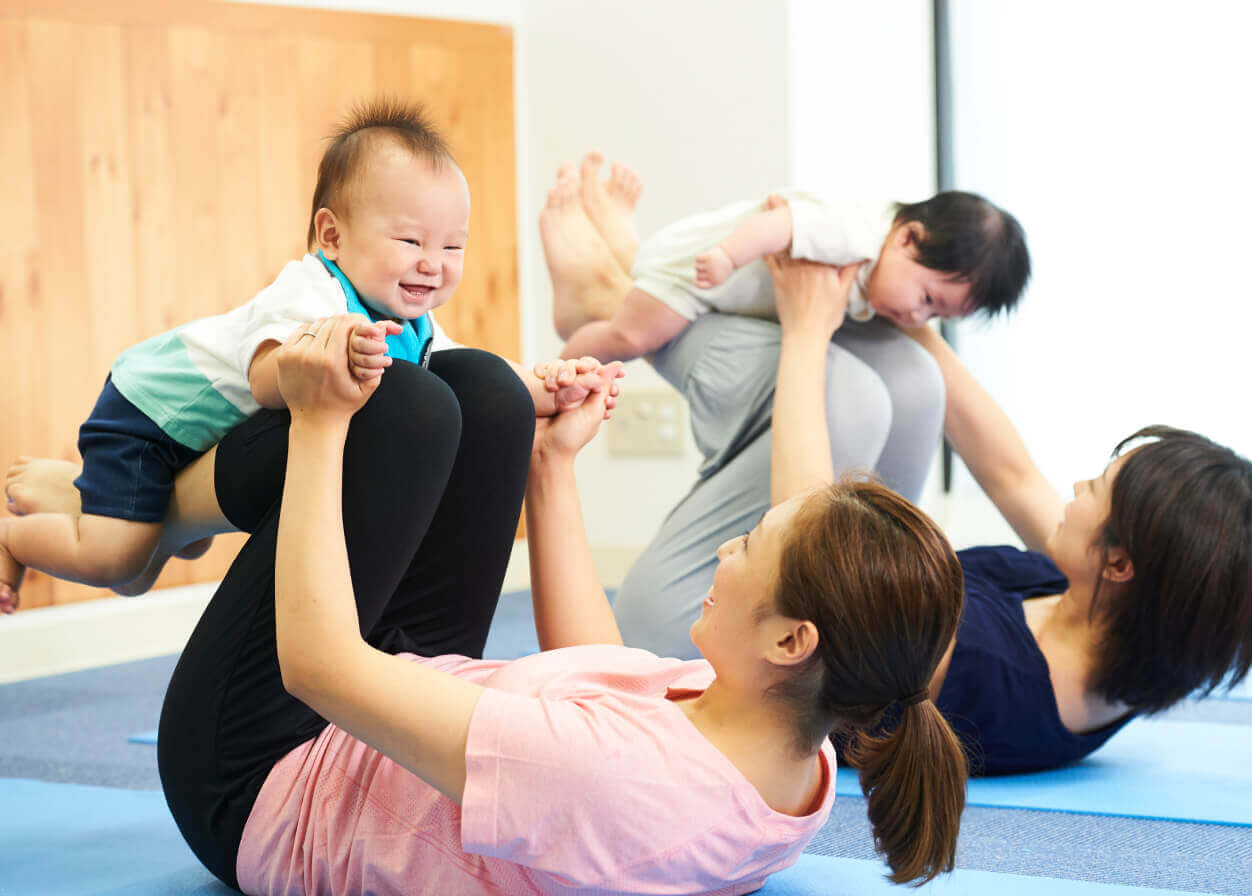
x,y
114,551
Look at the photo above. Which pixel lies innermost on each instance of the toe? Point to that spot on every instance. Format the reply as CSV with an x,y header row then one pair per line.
x,y
590,167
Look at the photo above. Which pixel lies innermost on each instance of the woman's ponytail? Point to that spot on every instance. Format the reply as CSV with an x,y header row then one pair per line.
x,y
914,784
884,590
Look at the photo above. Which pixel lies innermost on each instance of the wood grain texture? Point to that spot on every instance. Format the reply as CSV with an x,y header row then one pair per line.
x,y
157,165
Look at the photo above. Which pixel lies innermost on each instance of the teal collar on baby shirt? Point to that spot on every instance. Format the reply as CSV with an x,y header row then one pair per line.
x,y
413,343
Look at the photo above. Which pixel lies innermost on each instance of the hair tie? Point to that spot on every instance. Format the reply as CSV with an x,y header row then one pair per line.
x,y
915,698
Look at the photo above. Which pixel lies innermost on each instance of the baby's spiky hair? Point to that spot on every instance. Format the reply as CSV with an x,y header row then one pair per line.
x,y
355,139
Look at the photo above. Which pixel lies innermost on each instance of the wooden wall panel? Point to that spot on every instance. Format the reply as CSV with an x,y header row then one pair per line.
x,y
157,164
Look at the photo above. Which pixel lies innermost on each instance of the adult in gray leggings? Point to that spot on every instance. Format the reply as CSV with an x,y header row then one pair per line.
x,y
884,412
884,408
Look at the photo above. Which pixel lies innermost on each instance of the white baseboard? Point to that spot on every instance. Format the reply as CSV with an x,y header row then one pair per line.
x,y
54,640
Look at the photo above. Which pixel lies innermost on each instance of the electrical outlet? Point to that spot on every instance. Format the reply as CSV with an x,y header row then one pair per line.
x,y
647,423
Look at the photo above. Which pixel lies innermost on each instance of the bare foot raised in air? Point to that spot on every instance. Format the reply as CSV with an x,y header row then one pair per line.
x,y
42,485
587,282
611,205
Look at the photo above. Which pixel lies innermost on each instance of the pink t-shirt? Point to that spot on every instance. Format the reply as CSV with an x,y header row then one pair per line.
x,y
580,777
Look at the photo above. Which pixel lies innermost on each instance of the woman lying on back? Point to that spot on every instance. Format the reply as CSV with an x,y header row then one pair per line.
x,y
1131,597
318,737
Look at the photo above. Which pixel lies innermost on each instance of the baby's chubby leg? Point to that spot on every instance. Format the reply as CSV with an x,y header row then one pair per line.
x,y
639,327
46,486
192,518
94,550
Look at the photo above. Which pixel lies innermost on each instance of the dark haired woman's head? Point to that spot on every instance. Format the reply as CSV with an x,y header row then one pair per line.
x,y
391,209
971,242
1173,600
854,596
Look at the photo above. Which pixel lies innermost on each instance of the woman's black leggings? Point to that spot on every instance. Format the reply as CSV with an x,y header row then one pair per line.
x,y
434,472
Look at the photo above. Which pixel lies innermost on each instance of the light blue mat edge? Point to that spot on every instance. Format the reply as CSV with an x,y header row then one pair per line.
x,y
1172,771
74,840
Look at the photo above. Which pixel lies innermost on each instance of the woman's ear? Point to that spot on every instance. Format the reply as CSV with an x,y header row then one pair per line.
x,y
793,642
1117,566
327,231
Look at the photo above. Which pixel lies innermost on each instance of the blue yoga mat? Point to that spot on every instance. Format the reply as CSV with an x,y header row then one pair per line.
x,y
1241,691
71,840
1184,771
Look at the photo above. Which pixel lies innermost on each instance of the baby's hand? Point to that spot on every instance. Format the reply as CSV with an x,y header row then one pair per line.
x,y
713,267
367,348
773,201
571,381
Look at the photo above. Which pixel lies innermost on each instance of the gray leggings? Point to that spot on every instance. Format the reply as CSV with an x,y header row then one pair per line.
x,y
884,413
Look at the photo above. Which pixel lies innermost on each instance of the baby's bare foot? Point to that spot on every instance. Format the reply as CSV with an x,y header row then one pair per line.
x,y
713,267
611,205
587,283
43,485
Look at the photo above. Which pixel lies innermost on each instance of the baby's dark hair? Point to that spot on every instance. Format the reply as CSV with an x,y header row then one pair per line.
x,y
975,242
355,139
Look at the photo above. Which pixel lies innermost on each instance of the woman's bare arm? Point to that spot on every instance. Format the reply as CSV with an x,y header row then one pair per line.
x,y
982,434
570,604
812,300
416,715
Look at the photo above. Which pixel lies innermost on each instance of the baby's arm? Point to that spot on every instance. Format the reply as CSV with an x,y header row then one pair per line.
x,y
367,359
768,232
263,376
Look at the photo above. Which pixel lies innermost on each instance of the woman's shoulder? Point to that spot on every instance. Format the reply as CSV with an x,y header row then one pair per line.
x,y
1010,571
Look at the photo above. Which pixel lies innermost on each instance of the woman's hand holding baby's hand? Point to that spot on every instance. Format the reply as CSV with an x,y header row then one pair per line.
x,y
811,297
572,381
313,373
367,348
559,438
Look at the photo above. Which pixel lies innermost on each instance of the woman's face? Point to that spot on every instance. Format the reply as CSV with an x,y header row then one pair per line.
x,y
733,620
1076,546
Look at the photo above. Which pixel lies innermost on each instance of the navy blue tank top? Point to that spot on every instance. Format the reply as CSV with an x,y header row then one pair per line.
x,y
997,693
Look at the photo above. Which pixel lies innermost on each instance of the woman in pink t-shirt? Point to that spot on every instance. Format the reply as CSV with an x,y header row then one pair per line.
x,y
305,746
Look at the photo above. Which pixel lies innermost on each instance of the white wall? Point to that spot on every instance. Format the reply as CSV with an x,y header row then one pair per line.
x,y
862,103
1118,133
